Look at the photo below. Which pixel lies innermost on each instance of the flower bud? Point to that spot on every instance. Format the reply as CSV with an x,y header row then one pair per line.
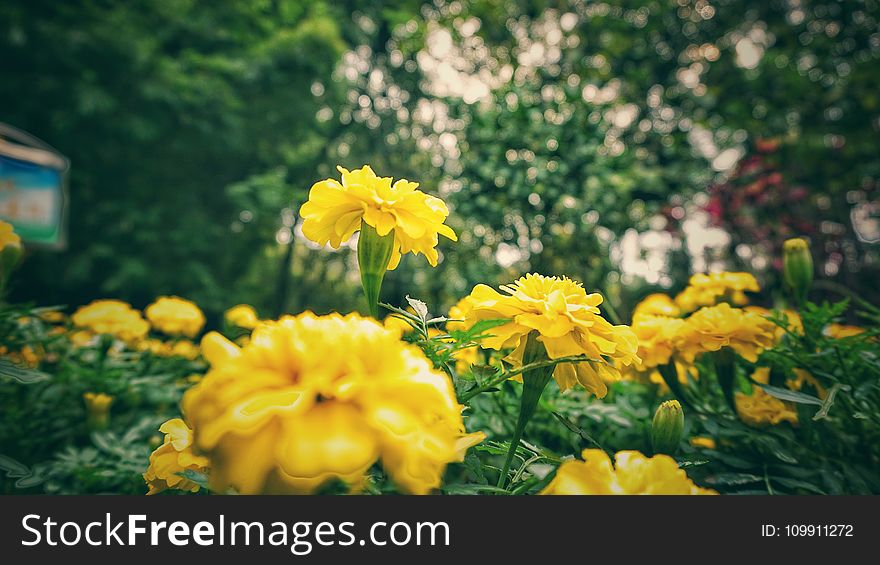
x,y
667,427
10,252
797,267
374,254
98,409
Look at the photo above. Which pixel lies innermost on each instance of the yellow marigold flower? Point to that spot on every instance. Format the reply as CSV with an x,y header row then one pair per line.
x,y
657,338
711,328
314,398
172,315
657,304
334,212
803,377
112,317
242,316
457,315
98,409
8,237
397,324
632,473
760,408
841,331
53,316
703,442
173,457
568,322
795,324
710,289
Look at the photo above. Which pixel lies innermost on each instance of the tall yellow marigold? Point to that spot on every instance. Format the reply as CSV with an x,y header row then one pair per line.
x,y
710,329
335,210
174,456
568,322
315,398
175,316
657,337
760,408
111,317
710,289
632,473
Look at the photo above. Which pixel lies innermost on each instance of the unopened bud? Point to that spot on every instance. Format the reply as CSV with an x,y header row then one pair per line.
x,y
98,409
667,427
797,267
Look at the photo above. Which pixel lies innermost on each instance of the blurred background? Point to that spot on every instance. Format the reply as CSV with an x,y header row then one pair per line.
x,y
625,144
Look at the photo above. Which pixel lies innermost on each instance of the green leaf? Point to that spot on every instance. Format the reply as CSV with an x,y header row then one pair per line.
x,y
198,478
420,307
21,374
790,395
13,468
829,401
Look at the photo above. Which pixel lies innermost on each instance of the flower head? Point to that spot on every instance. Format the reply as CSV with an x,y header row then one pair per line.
x,y
657,304
335,211
288,412
242,316
710,289
711,328
175,316
8,237
657,337
568,322
112,317
173,457
632,473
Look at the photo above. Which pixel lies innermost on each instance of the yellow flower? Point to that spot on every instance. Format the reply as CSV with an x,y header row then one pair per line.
x,y
760,408
711,328
457,315
334,212
632,473
315,398
112,317
803,377
397,324
841,331
173,457
175,316
657,337
710,289
242,316
98,409
8,237
568,322
795,324
703,442
657,304
97,402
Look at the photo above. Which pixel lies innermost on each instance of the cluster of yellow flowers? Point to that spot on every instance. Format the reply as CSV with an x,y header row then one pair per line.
x,y
288,413
759,408
710,289
632,473
567,322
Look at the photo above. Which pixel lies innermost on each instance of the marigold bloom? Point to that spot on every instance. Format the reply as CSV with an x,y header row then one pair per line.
x,y
568,322
334,212
841,331
8,237
795,324
315,398
710,289
760,408
632,473
173,457
111,317
98,409
711,328
242,316
172,315
657,304
703,442
657,337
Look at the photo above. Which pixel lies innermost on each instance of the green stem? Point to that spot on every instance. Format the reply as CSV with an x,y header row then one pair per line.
x,y
492,383
374,253
534,382
725,370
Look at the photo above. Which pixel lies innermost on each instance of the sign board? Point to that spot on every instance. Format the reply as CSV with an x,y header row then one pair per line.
x,y
32,188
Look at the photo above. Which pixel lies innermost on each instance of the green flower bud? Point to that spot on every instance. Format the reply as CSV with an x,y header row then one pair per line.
x,y
374,254
667,428
797,267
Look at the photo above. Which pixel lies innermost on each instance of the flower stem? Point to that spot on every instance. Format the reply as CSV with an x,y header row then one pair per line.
x,y
374,253
534,382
